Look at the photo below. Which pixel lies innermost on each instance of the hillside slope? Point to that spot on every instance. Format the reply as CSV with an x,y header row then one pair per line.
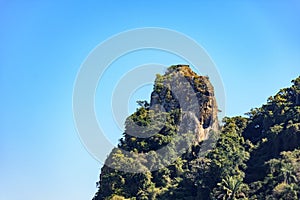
x,y
174,148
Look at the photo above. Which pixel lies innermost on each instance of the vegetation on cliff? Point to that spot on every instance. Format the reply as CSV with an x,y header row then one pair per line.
x,y
253,157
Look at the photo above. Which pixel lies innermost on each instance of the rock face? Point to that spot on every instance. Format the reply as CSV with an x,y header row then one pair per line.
x,y
182,88
186,103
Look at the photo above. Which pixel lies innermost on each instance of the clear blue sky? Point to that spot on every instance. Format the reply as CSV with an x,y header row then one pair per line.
x,y
255,45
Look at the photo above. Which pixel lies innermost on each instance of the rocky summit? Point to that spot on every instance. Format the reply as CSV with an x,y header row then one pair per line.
x,y
174,148
182,103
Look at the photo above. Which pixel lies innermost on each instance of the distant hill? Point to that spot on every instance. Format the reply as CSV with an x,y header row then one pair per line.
x,y
174,147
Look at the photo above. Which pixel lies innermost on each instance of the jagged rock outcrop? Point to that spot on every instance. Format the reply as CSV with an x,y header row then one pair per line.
x,y
182,103
182,88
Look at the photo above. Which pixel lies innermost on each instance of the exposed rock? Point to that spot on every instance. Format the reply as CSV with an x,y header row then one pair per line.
x,y
182,104
181,88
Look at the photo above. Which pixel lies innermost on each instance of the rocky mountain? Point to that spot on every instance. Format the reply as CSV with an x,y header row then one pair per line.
x,y
174,147
181,88
182,104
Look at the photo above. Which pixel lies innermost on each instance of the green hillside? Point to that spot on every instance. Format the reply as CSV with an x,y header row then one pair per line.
x,y
174,147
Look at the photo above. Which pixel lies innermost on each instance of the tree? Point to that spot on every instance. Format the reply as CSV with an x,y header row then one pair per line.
x,y
288,173
230,188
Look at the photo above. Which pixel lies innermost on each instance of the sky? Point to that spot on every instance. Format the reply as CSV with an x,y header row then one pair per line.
x,y
255,46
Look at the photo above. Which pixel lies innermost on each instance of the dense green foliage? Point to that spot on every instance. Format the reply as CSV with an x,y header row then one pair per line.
x,y
255,157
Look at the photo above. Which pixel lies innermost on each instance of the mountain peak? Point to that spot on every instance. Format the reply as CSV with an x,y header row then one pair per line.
x,y
181,88
182,114
181,68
